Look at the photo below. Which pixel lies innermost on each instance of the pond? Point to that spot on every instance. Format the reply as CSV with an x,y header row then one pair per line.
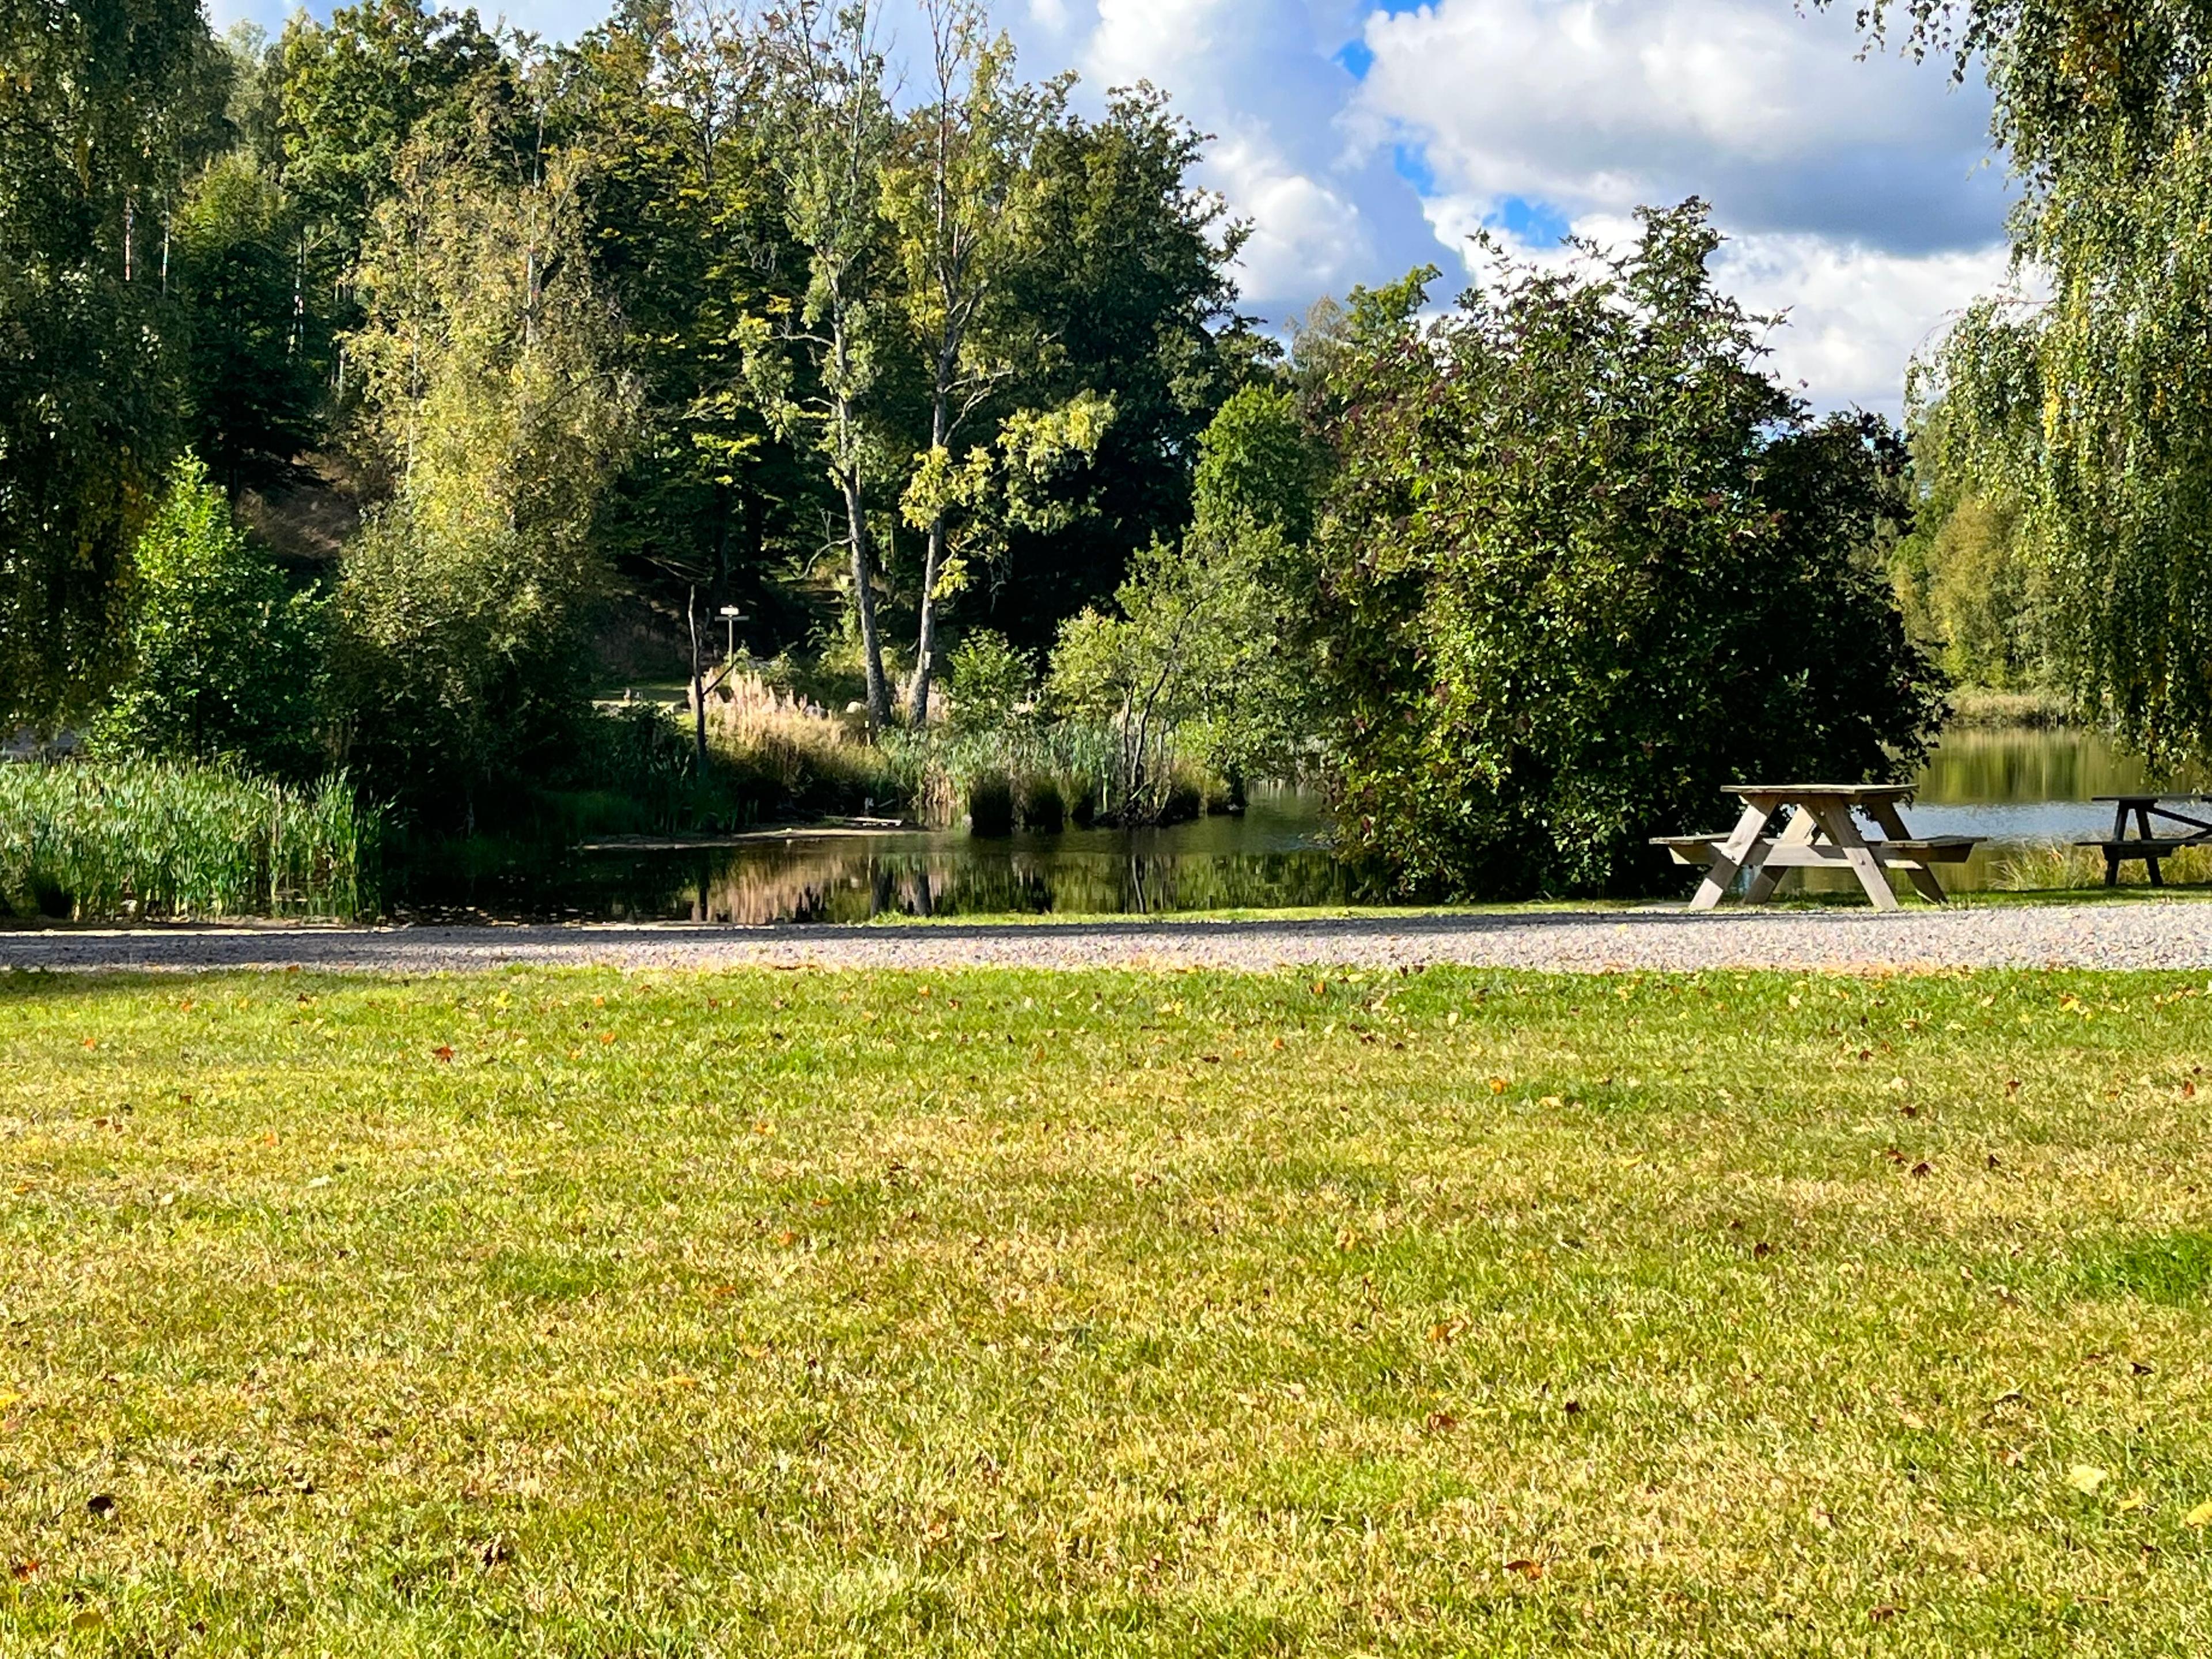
x,y
2021,787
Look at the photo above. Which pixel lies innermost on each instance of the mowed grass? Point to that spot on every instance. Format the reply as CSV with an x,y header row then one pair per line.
x,y
1009,1313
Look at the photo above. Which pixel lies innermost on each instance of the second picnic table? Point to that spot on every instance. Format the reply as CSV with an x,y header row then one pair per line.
x,y
2147,844
1822,835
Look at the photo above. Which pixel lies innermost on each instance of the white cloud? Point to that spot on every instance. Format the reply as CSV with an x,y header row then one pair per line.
x,y
1854,316
1603,105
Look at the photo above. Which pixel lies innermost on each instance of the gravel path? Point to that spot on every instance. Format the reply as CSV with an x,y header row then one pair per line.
x,y
2174,935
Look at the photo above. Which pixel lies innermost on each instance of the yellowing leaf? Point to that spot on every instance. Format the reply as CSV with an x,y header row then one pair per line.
x,y
2134,1500
2199,1516
8,1397
2085,1477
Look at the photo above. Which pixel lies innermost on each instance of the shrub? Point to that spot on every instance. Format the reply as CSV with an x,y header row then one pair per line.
x,y
990,681
169,839
223,659
990,806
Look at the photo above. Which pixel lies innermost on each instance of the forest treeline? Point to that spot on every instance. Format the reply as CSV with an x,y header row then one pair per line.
x,y
934,374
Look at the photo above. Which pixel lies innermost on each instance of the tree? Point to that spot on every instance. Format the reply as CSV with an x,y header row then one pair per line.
x,y
958,191
1583,563
688,234
252,356
223,661
491,391
1967,575
1129,284
2088,405
101,108
830,132
1207,659
379,76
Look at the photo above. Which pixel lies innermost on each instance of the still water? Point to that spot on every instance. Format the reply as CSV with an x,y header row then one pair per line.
x,y
2017,786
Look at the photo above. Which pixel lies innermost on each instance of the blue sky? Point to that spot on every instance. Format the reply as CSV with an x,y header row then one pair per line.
x,y
1364,139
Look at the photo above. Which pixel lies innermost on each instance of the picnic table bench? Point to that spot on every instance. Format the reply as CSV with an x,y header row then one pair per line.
x,y
1822,835
2147,844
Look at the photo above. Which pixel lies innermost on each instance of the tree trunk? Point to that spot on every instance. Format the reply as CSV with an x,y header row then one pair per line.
x,y
864,601
698,686
925,649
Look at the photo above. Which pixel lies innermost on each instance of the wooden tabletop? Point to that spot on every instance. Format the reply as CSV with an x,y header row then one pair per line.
x,y
2150,800
1824,791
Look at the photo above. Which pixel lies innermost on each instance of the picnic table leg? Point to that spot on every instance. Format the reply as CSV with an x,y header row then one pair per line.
x,y
1872,877
1892,821
2151,864
1739,851
1801,833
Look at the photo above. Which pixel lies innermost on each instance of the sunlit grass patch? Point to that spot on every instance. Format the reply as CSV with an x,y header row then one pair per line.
x,y
1009,1312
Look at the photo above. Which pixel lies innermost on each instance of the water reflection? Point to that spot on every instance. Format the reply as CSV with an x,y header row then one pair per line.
x,y
1274,856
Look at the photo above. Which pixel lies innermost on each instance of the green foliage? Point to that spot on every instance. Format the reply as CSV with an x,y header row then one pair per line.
x,y
1584,564
1204,661
490,392
223,659
380,76
1968,577
1257,466
1130,281
147,839
102,106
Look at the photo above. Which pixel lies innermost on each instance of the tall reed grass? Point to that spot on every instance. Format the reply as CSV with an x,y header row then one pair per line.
x,y
153,838
781,745
1029,773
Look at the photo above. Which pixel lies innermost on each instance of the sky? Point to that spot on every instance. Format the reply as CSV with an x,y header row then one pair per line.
x,y
1362,140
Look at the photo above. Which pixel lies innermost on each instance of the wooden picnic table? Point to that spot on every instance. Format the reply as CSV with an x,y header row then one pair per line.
x,y
1822,835
2147,844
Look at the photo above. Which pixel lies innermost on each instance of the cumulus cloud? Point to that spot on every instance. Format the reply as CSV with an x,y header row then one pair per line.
x,y
1603,105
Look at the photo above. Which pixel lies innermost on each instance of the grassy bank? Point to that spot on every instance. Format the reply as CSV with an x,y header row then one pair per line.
x,y
149,840
1003,1313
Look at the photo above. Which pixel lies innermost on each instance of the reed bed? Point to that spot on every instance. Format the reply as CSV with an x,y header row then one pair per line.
x,y
779,741
2059,866
1029,775
153,838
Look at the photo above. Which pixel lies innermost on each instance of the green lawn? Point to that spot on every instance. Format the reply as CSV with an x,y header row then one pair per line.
x,y
1002,1313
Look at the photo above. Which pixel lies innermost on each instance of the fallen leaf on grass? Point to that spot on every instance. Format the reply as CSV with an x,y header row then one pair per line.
x,y
2085,1477
1497,1085
2200,1517
23,1570
442,1053
1528,1569
101,1503
1440,1423
2134,1500
1881,1613
8,1397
